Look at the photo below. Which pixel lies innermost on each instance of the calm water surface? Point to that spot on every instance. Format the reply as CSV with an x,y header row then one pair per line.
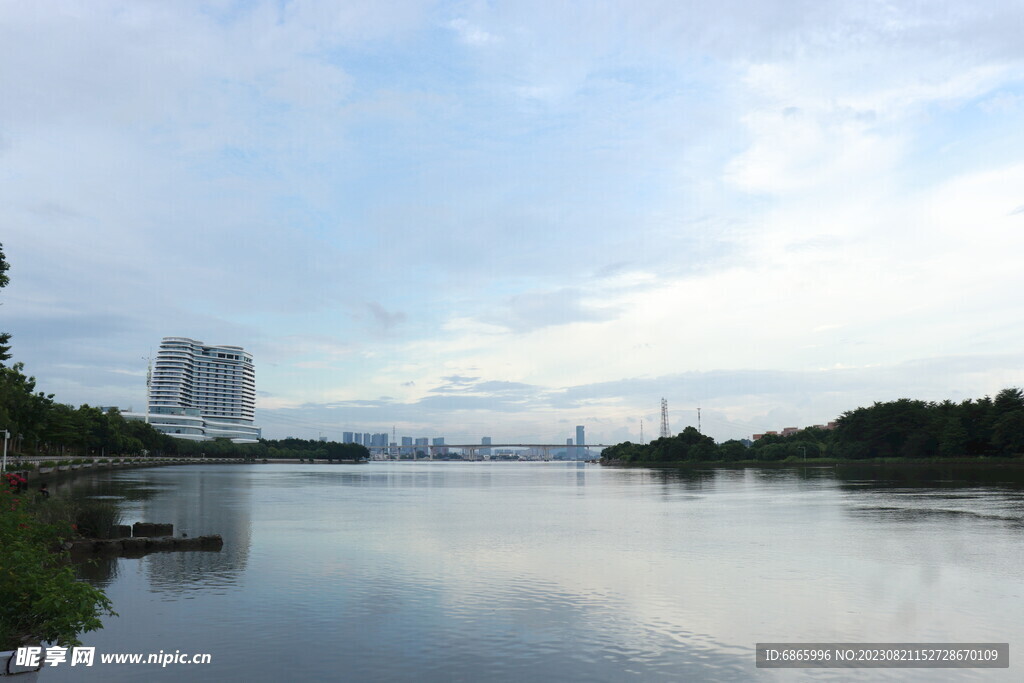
x,y
554,572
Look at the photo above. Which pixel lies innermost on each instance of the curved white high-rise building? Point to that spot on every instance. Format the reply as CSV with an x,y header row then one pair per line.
x,y
200,392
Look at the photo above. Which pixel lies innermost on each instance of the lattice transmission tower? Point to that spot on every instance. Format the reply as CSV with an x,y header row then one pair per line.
x,y
665,432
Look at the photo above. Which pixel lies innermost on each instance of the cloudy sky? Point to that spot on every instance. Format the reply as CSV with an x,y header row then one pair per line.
x,y
510,218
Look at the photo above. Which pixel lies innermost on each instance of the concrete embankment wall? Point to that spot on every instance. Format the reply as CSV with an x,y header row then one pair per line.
x,y
37,475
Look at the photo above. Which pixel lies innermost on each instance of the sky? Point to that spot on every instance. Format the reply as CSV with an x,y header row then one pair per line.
x,y
505,219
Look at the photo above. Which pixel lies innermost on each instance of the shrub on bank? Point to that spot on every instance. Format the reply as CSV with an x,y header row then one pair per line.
x,y
42,600
97,518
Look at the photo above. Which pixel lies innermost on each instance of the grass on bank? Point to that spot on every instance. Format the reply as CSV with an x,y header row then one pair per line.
x,y
88,517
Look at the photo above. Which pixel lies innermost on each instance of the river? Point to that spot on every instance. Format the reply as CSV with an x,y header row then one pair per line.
x,y
554,571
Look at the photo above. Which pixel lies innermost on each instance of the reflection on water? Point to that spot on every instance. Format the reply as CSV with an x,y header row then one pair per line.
x,y
99,570
957,495
514,571
933,476
210,500
198,502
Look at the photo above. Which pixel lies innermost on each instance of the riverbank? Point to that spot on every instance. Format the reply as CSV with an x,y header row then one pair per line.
x,y
45,471
1016,463
33,470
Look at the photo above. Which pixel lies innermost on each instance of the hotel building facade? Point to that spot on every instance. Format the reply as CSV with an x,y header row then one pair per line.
x,y
201,392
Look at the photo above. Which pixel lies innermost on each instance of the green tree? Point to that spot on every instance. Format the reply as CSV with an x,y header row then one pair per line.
x,y
899,428
63,430
953,438
1008,433
768,440
1008,401
732,451
4,267
703,451
976,419
624,452
23,410
772,451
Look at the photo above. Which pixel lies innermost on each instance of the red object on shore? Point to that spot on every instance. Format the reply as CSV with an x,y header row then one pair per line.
x,y
16,481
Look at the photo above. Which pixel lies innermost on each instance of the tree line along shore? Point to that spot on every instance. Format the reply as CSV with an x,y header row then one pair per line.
x,y
905,429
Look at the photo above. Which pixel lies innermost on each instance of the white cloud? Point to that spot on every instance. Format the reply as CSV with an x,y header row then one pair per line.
x,y
793,152
470,34
592,193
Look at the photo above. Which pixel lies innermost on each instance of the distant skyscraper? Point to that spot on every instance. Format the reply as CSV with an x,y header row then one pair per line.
x,y
346,437
485,441
202,392
581,441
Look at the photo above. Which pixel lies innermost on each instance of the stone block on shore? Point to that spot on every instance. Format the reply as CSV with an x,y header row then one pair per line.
x,y
142,530
95,546
138,546
214,542
148,530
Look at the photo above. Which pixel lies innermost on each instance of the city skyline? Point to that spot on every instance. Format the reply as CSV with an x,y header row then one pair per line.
x,y
515,218
405,443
